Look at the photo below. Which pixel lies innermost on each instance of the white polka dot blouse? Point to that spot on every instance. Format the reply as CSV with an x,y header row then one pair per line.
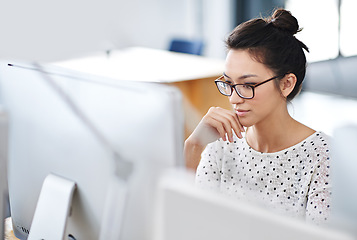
x,y
294,181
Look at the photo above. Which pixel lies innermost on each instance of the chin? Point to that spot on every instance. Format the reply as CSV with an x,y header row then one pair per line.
x,y
246,123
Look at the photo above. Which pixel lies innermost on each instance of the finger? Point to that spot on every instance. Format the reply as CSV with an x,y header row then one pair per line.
x,y
228,123
236,125
219,127
234,121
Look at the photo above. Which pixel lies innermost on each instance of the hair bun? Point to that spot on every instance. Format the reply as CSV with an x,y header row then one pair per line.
x,y
283,20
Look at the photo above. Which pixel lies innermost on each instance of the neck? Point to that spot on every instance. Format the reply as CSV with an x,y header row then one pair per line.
x,y
274,133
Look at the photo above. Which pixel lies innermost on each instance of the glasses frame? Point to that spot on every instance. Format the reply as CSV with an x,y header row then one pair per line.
x,y
252,86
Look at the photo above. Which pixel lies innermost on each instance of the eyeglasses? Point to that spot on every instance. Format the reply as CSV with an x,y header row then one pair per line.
x,y
245,91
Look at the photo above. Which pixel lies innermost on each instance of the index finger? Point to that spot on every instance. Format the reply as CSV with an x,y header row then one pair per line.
x,y
237,126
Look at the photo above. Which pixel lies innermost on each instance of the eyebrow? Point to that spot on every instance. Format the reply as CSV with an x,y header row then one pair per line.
x,y
241,77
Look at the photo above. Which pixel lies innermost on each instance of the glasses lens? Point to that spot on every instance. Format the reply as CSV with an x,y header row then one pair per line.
x,y
224,88
244,91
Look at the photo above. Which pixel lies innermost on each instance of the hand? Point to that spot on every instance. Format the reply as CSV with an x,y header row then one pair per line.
x,y
217,123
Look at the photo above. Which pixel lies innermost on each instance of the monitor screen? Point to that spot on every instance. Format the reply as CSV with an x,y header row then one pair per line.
x,y
88,129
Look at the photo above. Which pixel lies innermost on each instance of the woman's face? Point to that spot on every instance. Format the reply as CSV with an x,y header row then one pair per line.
x,y
242,68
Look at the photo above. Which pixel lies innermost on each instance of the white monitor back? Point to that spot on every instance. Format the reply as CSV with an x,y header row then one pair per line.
x,y
71,125
4,196
189,213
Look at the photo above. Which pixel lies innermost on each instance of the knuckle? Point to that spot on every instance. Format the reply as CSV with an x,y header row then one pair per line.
x,y
214,109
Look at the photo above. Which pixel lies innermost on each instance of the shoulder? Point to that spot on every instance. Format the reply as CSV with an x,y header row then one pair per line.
x,y
321,140
318,147
313,149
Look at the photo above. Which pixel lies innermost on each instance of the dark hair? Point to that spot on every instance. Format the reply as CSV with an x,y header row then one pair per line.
x,y
271,41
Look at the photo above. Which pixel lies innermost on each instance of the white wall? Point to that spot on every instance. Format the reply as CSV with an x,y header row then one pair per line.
x,y
45,30
217,23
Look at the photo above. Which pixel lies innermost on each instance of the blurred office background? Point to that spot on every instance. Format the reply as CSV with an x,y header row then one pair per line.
x,y
53,30
49,31
71,27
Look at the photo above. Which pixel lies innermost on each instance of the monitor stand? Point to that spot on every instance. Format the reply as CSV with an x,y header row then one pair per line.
x,y
52,210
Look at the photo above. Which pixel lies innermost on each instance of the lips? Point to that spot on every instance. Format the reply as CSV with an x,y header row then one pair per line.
x,y
241,113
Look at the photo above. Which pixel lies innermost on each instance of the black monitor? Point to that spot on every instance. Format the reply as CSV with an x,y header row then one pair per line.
x,y
95,146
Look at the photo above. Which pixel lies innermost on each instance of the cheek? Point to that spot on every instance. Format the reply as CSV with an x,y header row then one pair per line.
x,y
265,102
265,92
268,95
261,101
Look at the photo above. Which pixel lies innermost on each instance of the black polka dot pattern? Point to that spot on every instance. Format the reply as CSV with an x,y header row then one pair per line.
x,y
294,181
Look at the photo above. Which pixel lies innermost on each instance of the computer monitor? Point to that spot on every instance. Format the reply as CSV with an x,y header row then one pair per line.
x,y
4,200
189,213
95,146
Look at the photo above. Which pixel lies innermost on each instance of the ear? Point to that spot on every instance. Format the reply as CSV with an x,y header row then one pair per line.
x,y
287,84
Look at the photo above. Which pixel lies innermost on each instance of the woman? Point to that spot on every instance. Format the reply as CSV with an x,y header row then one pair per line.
x,y
279,162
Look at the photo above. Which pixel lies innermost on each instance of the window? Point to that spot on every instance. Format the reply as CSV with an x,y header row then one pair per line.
x,y
320,22
348,33
329,27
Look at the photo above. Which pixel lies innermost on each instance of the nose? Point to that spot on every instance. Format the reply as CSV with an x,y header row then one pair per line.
x,y
235,98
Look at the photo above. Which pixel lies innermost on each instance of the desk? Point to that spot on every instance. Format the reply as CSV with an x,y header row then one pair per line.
x,y
8,232
193,75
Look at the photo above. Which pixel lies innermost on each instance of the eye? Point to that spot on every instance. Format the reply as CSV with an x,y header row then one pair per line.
x,y
247,85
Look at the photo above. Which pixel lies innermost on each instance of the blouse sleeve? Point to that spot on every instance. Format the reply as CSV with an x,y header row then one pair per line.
x,y
208,174
319,197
